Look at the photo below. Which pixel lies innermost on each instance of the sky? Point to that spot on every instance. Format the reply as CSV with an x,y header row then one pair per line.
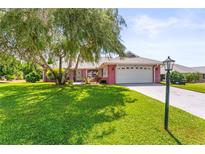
x,y
158,33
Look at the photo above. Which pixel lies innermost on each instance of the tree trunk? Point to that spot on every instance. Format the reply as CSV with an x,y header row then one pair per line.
x,y
44,74
60,74
76,67
67,70
48,67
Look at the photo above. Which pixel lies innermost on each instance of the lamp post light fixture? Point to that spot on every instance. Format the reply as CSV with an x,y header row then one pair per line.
x,y
168,65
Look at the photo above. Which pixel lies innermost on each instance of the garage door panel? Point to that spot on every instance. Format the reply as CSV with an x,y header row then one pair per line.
x,y
134,74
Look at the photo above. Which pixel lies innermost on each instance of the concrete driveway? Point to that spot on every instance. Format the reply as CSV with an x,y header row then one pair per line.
x,y
192,102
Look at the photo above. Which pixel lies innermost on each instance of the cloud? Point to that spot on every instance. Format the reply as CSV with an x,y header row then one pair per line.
x,y
154,26
179,33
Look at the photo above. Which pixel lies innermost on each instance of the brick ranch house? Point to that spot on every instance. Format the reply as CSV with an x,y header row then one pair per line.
x,y
119,70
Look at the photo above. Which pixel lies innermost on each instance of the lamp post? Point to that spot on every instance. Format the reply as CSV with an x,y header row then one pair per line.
x,y
168,65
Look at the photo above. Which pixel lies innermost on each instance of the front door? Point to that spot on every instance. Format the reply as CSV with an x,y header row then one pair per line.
x,y
78,75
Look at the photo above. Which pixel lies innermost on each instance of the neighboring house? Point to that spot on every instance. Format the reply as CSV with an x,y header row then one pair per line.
x,y
121,70
180,68
185,69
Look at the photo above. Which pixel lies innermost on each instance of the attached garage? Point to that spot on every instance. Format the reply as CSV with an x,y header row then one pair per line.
x,y
134,74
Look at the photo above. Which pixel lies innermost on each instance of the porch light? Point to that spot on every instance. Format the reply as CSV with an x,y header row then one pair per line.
x,y
168,65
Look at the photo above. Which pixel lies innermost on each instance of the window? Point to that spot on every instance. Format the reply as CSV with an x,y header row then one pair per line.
x,y
145,68
131,67
203,76
123,68
105,74
127,67
141,68
136,68
92,73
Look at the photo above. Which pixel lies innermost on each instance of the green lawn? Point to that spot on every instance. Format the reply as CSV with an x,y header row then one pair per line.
x,y
198,87
43,113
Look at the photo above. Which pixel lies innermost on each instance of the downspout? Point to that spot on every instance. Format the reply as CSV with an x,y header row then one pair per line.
x,y
44,74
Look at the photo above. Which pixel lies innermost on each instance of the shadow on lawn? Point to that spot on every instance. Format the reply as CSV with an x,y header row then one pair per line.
x,y
47,114
176,139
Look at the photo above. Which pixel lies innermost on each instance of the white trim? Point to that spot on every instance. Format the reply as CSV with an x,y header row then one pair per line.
x,y
116,73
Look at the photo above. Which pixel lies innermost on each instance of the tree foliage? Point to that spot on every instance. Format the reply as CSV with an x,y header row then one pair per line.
x,y
192,77
130,54
30,67
10,67
32,77
45,36
177,77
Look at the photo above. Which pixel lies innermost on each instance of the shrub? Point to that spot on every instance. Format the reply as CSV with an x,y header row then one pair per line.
x,y
103,82
10,77
56,71
33,77
19,75
30,67
70,81
87,80
176,77
192,77
162,77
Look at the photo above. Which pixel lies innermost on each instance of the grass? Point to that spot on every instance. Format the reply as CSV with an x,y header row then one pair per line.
x,y
43,113
198,87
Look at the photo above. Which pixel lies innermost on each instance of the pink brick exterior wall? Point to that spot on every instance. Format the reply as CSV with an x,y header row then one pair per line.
x,y
111,74
71,75
83,73
157,74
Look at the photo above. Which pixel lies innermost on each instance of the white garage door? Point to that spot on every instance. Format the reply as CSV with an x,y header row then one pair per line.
x,y
134,74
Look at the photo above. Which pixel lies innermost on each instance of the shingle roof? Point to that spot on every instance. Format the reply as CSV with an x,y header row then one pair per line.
x,y
106,61
200,69
180,68
89,65
134,60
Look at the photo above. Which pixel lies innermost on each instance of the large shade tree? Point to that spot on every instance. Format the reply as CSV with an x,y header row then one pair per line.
x,y
68,36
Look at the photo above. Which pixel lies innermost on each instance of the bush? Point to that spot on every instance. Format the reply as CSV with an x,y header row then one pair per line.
x,y
56,71
32,77
177,78
19,76
192,77
30,67
87,80
10,77
162,77
103,82
70,81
